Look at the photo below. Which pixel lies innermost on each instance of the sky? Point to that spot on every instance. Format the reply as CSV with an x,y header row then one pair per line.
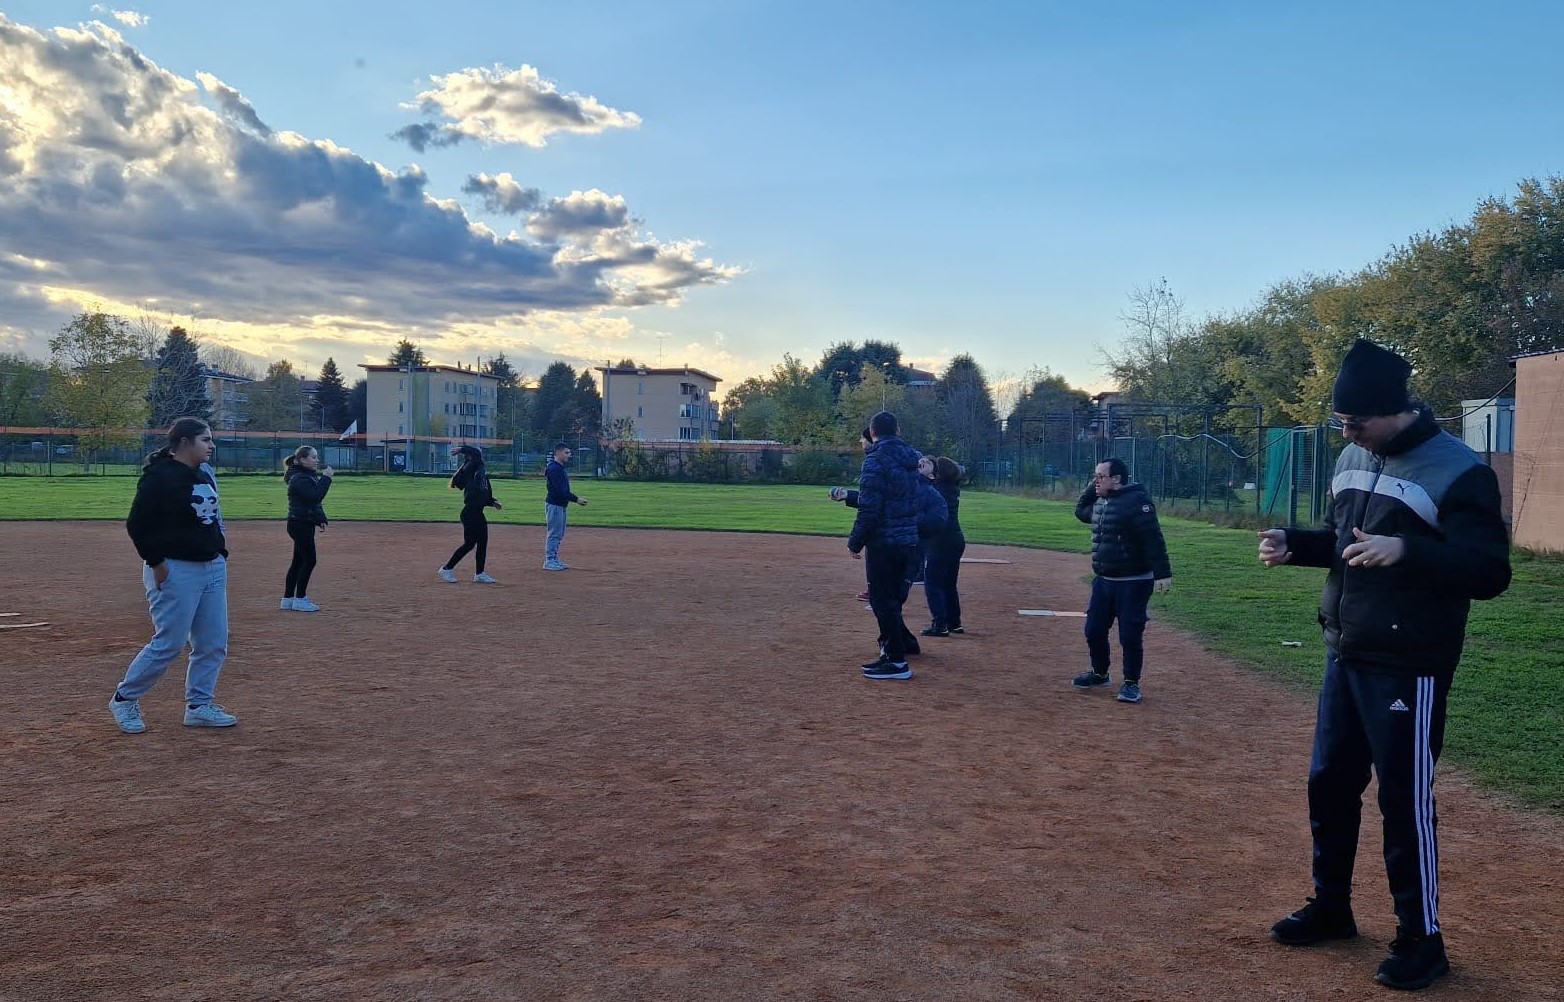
x,y
717,182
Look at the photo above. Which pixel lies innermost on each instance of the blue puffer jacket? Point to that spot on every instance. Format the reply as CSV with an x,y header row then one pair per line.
x,y
932,513
887,496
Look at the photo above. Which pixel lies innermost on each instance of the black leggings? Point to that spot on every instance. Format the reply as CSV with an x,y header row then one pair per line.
x,y
303,536
475,535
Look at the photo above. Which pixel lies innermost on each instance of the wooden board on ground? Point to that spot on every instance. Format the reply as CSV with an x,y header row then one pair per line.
x,y
1049,612
19,626
983,560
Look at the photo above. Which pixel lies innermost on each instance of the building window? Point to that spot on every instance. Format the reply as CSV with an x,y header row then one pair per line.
x,y
689,434
399,430
639,412
640,386
399,385
399,407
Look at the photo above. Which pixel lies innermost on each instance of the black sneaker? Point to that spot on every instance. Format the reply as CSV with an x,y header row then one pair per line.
x,y
957,629
1129,692
934,631
887,669
1415,962
1091,680
1315,923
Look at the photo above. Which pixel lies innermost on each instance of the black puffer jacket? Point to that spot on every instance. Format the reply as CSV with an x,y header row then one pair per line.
x,y
952,495
887,496
1439,497
306,490
1126,536
473,481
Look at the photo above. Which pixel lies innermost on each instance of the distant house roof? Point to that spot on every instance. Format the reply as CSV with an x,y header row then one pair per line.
x,y
428,368
921,377
211,373
644,370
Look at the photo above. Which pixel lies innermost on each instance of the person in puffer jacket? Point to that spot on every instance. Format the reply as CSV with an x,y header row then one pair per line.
x,y
1130,559
1414,534
886,532
307,482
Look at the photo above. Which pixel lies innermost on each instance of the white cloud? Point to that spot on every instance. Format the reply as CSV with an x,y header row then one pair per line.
x,y
119,183
233,103
129,18
501,106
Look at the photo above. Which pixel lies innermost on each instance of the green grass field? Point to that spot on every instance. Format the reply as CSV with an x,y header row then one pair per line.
x,y
1506,726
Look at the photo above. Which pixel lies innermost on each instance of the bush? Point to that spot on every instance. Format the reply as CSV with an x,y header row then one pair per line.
x,y
818,466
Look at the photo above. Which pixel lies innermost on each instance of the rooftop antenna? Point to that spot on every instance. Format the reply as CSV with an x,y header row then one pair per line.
x,y
660,339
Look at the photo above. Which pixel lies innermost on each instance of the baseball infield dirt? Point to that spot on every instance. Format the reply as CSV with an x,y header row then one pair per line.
x,y
659,775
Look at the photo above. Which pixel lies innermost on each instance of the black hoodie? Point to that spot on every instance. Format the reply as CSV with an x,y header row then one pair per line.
x,y
175,514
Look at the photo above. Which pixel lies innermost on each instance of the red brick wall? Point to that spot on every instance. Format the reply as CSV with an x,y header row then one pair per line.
x,y
1538,479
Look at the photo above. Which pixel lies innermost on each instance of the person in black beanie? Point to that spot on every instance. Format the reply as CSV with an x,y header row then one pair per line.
x,y
472,479
1413,536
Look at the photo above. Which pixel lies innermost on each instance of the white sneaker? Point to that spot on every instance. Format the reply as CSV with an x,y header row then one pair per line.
x,y
304,605
483,579
287,603
447,575
210,715
127,713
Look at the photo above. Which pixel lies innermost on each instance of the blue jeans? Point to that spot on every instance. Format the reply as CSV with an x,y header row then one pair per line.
x,y
191,607
1125,601
555,517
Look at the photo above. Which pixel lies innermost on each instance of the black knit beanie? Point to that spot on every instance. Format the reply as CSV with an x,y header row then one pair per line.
x,y
1372,382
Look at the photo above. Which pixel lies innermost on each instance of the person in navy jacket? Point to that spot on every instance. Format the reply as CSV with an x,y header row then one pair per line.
x,y
886,532
556,506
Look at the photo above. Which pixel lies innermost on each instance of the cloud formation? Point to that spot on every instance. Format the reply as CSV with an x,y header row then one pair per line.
x,y
118,181
502,193
129,18
500,106
233,103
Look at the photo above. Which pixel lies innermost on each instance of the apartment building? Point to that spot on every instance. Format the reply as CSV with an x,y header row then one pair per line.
x,y
444,402
229,395
664,405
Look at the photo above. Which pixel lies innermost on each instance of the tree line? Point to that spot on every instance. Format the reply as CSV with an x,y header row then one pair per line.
x,y
1458,304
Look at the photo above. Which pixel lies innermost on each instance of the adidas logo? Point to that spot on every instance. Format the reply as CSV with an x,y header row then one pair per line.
x,y
1400,707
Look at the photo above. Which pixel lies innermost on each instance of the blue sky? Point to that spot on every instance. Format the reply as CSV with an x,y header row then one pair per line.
x,y
987,177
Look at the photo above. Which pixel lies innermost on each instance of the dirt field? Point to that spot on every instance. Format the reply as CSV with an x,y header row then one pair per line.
x,y
660,776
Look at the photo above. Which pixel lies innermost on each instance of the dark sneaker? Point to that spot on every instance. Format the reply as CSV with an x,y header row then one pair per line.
x,y
1315,923
887,669
957,629
1415,962
934,631
1129,692
1091,680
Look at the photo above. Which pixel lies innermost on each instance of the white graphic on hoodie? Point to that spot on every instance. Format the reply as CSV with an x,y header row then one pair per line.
x,y
203,498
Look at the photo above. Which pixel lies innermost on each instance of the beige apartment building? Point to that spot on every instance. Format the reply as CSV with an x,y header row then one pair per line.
x,y
664,405
1538,484
431,405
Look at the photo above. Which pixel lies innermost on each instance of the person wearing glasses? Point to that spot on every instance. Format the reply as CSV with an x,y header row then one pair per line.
x,y
1413,535
1130,560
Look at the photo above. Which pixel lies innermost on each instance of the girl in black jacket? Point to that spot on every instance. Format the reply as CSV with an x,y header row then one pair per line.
x,y
944,552
473,481
307,483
